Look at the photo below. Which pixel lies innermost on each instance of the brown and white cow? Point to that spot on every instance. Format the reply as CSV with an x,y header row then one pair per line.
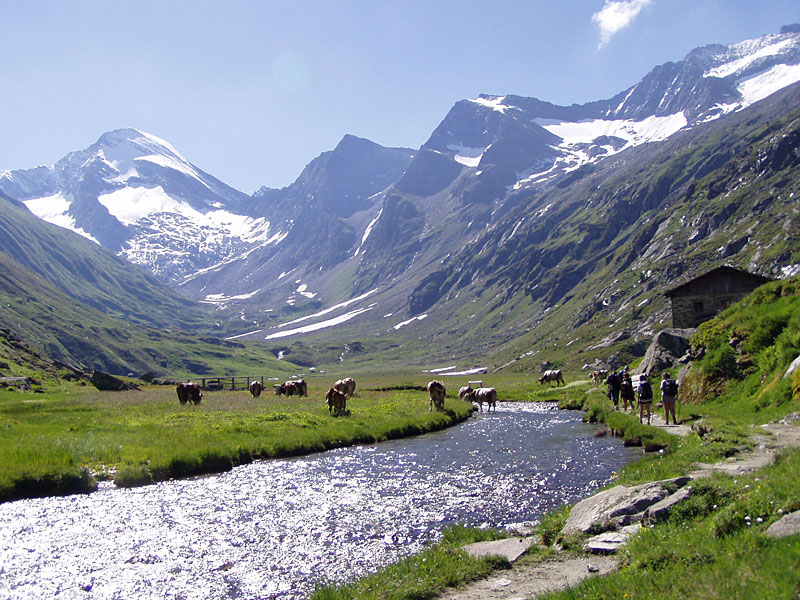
x,y
481,395
552,375
467,389
189,392
599,377
436,394
337,402
291,388
255,388
347,386
301,387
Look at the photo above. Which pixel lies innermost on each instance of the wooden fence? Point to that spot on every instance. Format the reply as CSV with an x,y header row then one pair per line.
x,y
238,382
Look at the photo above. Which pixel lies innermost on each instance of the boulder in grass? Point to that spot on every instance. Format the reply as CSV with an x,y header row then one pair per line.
x,y
620,505
785,526
108,383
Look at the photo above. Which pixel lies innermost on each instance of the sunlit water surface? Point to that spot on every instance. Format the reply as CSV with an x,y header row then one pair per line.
x,y
275,529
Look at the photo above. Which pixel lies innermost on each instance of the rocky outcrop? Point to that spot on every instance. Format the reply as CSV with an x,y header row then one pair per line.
x,y
666,350
108,383
618,506
659,511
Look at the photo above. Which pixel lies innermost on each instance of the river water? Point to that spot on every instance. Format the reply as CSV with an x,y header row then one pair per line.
x,y
276,528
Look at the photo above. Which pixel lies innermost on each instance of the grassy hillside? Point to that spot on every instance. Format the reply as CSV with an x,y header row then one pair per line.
x,y
44,324
91,274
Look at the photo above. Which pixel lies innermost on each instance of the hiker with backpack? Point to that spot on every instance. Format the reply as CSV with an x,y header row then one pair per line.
x,y
669,393
626,392
614,384
644,394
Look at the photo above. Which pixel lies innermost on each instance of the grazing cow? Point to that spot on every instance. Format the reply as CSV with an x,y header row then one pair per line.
x,y
291,388
347,386
599,377
464,391
189,392
337,402
481,395
552,375
301,387
255,388
436,394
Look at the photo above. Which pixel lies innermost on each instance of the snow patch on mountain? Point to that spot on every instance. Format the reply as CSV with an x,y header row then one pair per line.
x,y
759,87
222,298
367,231
411,320
132,205
322,324
54,209
494,102
330,309
744,54
651,129
469,157
591,139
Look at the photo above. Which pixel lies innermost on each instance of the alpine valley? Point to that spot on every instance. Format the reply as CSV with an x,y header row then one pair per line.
x,y
520,231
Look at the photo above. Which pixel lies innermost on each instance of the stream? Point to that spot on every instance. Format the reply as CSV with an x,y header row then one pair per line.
x,y
278,528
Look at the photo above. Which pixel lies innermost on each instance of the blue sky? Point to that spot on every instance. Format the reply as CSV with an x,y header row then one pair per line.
x,y
251,91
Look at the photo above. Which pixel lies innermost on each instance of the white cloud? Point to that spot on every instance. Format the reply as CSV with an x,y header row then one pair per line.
x,y
616,15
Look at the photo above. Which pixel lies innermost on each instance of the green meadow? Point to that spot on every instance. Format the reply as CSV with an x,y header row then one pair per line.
x,y
65,442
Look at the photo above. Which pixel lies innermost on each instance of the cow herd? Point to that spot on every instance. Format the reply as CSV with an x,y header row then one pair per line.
x,y
343,389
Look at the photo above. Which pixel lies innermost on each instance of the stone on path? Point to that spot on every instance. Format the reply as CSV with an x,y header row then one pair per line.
x,y
530,580
785,526
611,541
511,548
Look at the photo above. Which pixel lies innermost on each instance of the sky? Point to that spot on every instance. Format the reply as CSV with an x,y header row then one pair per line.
x,y
251,91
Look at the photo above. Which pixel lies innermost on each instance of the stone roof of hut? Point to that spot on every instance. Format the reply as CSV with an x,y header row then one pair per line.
x,y
754,278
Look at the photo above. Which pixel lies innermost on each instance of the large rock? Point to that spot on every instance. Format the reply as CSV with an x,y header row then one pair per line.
x,y
665,351
611,508
108,383
661,509
786,526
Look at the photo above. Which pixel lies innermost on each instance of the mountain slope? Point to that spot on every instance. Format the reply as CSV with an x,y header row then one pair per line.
x,y
42,324
590,256
91,274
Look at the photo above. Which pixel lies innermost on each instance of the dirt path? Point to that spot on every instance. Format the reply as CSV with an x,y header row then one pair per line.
x,y
526,581
529,580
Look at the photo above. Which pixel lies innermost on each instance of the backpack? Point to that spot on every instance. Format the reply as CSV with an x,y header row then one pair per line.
x,y
645,391
671,387
627,388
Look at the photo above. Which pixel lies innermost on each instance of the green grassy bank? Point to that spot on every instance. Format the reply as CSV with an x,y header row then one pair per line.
x,y
63,442
714,543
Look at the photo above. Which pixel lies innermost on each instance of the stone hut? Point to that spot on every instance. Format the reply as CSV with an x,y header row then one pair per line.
x,y
703,297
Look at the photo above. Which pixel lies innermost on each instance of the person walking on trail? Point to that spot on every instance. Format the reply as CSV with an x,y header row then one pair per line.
x,y
626,392
614,384
645,397
669,394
